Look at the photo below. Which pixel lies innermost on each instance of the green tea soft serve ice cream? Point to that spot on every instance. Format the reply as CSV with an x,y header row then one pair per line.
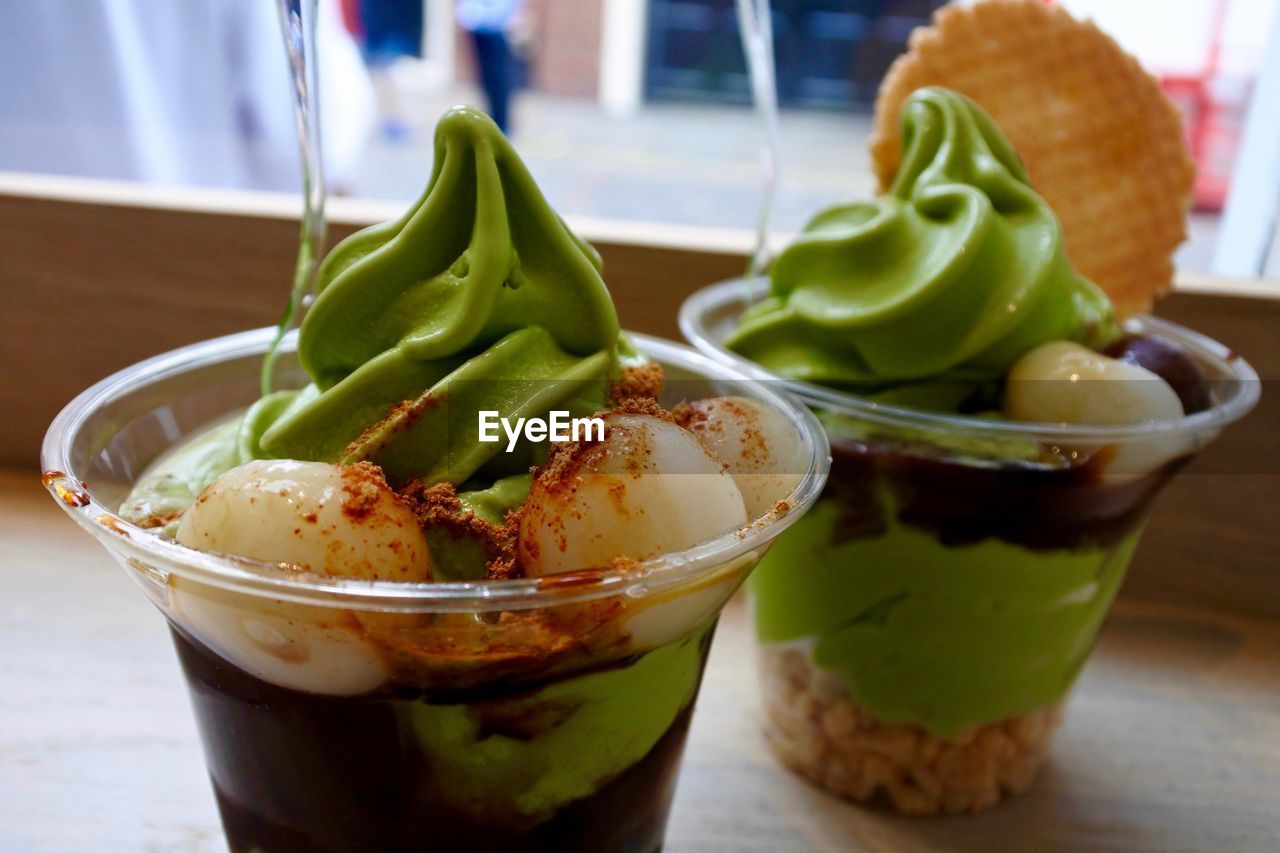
x,y
954,273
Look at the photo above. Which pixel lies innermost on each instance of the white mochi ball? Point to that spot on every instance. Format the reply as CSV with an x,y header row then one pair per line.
x,y
296,646
649,488
653,623
759,448
328,519
1065,383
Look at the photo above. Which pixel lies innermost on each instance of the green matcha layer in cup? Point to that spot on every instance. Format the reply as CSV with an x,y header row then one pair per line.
x,y
997,441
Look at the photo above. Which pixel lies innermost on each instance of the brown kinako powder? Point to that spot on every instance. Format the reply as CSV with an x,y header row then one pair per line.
x,y
637,381
402,416
438,507
362,483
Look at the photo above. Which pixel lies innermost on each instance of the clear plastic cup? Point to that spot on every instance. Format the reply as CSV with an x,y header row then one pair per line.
x,y
341,714
920,628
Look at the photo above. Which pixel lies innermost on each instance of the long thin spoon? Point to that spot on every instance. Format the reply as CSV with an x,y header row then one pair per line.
x,y
298,26
755,23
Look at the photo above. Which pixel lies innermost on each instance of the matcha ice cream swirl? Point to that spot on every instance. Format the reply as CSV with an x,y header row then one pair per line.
x,y
478,298
953,274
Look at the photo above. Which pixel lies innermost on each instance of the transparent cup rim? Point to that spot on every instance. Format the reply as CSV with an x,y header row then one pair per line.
x,y
700,307
151,553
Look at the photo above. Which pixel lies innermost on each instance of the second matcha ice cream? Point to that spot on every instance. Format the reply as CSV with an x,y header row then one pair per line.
x,y
952,275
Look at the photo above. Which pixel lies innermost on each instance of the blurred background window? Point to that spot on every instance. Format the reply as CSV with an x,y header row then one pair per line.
x,y
623,109
189,93
831,54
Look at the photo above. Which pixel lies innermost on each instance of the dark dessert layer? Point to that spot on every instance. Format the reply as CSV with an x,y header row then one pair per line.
x,y
295,771
1033,506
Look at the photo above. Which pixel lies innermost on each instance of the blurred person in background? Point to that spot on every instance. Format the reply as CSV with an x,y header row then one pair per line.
x,y
389,30
194,92
487,22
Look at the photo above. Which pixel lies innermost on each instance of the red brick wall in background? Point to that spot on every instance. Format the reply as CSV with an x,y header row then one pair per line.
x,y
565,48
566,59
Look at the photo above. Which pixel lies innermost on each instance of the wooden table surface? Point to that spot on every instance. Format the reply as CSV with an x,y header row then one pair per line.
x,y
1172,739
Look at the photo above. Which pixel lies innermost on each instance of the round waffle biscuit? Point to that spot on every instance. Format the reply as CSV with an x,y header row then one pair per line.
x,y
1101,142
